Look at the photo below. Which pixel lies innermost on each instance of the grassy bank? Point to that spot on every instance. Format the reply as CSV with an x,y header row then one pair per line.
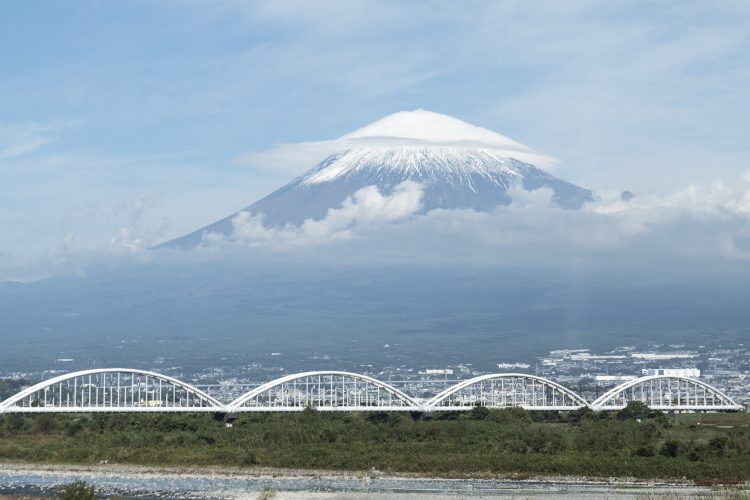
x,y
707,448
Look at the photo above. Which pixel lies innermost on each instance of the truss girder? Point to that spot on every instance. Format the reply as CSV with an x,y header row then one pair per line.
x,y
326,391
666,393
137,391
111,389
507,390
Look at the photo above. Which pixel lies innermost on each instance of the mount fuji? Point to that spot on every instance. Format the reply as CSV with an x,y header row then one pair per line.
x,y
458,165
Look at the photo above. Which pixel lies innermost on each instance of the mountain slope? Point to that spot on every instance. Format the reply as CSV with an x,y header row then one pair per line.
x,y
459,166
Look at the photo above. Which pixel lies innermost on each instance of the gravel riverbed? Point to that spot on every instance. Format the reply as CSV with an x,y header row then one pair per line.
x,y
38,480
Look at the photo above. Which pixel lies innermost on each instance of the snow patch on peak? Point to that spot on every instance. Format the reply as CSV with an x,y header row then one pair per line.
x,y
456,164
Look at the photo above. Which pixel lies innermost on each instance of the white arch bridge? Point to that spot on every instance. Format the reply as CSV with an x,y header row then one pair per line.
x,y
139,391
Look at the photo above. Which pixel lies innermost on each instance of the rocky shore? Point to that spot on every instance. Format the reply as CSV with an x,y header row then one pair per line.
x,y
21,479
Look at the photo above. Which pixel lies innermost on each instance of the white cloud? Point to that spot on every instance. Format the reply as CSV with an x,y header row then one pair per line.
x,y
366,208
23,139
699,222
291,159
134,232
126,240
689,231
405,128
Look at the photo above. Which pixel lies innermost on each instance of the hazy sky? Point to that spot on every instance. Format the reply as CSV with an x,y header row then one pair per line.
x,y
137,115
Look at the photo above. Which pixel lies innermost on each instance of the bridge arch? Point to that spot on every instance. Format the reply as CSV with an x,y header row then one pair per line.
x,y
109,390
507,390
666,392
324,391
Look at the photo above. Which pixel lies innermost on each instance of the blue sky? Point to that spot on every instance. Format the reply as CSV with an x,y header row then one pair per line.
x,y
137,114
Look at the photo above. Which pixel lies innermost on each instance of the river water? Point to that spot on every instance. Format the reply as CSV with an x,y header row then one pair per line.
x,y
137,482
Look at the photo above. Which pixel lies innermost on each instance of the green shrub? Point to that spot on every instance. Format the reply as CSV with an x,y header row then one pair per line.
x,y
480,412
669,449
516,415
249,458
78,490
634,409
505,442
378,417
717,445
645,451
74,427
44,423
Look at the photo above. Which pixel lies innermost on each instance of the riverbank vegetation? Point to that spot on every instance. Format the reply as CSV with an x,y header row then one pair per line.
x,y
513,443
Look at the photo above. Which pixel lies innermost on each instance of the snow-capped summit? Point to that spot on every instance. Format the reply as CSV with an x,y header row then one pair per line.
x,y
425,128
458,165
433,128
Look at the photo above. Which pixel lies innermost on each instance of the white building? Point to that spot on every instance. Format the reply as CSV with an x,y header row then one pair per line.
x,y
660,357
672,372
614,378
446,371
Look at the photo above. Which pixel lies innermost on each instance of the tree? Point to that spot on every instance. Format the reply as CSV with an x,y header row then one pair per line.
x,y
634,409
480,412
